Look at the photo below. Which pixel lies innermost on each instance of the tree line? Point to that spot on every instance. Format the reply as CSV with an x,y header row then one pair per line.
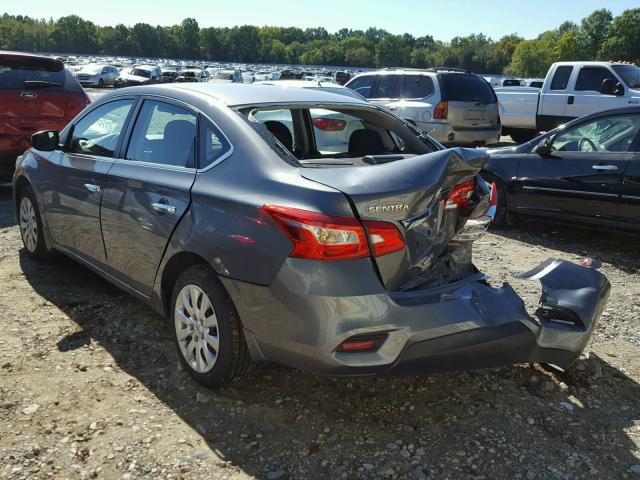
x,y
600,36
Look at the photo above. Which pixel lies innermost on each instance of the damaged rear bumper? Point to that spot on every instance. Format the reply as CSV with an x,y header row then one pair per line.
x,y
469,324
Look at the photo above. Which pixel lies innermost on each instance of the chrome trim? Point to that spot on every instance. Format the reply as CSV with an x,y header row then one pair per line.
x,y
562,190
164,208
177,168
605,168
631,197
91,188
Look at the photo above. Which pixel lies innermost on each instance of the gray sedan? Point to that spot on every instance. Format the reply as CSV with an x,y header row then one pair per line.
x,y
260,245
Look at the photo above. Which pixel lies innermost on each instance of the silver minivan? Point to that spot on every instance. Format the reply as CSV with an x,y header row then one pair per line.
x,y
456,107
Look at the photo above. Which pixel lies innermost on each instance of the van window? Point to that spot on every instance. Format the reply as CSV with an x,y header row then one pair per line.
x,y
385,87
418,86
362,85
591,78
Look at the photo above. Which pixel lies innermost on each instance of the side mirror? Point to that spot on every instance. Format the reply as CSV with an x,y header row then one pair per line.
x,y
608,86
45,141
544,148
618,90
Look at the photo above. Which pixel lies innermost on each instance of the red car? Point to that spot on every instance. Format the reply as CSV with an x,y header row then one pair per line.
x,y
36,93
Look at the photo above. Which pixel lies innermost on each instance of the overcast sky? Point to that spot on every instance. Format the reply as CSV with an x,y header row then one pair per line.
x,y
440,18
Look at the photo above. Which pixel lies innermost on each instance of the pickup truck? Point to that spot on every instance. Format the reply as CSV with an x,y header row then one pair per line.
x,y
570,90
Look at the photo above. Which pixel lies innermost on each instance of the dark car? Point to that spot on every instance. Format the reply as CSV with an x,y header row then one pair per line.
x,y
36,93
342,77
259,247
586,172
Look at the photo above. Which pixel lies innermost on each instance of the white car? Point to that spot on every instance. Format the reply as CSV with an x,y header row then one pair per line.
x,y
96,75
453,106
139,75
228,76
193,75
570,90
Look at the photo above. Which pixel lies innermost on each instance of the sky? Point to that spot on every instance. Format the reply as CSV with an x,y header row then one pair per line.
x,y
438,18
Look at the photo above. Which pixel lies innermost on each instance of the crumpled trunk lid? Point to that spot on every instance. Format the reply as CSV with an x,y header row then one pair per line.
x,y
412,194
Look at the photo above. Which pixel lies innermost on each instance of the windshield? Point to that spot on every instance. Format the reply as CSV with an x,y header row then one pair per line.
x,y
224,76
630,75
138,72
90,69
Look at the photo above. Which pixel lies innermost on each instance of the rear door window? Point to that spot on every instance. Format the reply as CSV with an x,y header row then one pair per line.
x,y
591,78
98,132
385,87
164,134
417,86
561,77
461,87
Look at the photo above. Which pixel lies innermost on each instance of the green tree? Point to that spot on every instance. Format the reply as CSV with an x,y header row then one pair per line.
x,y
190,38
531,58
623,42
392,51
595,29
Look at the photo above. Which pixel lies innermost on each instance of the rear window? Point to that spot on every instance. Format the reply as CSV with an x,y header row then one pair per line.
x,y
224,76
466,88
418,86
139,72
14,77
561,77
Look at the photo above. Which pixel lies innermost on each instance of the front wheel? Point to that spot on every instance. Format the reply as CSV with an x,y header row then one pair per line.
x,y
208,334
31,226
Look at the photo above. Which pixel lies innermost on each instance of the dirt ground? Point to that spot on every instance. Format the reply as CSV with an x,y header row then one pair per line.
x,y
90,388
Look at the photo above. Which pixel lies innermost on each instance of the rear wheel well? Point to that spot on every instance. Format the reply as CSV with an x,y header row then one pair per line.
x,y
174,267
21,184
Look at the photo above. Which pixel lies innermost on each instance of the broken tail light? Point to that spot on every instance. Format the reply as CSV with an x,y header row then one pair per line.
x,y
478,222
318,236
460,195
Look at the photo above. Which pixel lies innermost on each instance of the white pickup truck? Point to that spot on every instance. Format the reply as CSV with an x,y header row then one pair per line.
x,y
570,90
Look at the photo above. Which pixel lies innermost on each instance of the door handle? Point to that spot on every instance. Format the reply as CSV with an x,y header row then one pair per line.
x,y
570,99
393,108
91,188
28,94
164,208
605,168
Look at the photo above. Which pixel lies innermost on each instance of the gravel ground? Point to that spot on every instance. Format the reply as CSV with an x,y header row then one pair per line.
x,y
90,387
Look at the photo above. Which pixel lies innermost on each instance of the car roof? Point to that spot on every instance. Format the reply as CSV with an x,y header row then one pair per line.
x,y
235,94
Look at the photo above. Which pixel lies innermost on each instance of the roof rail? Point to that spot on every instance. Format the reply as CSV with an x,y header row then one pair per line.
x,y
431,69
448,69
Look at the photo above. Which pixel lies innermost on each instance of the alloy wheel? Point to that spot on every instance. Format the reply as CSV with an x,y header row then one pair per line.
x,y
196,327
28,224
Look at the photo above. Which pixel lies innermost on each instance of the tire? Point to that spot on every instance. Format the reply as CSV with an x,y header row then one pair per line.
x,y
208,338
30,223
522,135
101,83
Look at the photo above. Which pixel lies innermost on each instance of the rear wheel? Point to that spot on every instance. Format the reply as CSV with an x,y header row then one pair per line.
x,y
101,83
31,226
521,135
208,334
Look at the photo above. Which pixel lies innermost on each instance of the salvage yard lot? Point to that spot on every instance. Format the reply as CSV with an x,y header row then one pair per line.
x,y
90,388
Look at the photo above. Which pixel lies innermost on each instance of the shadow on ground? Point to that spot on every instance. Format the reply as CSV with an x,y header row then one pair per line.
x,y
618,249
6,201
499,423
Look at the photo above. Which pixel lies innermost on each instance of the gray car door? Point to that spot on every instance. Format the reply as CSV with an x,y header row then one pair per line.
x,y
149,191
76,177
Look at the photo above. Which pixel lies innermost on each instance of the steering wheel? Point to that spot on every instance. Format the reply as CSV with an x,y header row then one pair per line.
x,y
586,142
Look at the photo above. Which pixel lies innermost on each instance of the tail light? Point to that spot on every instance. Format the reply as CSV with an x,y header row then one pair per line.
x,y
441,111
385,237
478,222
460,195
318,236
329,124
